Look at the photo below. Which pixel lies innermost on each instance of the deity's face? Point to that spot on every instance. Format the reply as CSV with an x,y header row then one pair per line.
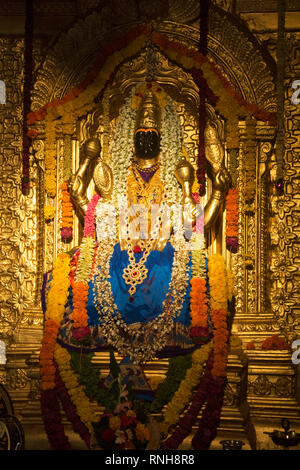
x,y
147,143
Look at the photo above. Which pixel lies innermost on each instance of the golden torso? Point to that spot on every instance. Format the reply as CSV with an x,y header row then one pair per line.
x,y
146,194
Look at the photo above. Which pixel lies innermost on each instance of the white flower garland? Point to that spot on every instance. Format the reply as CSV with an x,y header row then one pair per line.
x,y
171,144
85,260
122,144
121,149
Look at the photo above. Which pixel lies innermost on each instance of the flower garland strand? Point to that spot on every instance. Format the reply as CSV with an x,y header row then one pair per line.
x,y
84,268
232,219
189,59
217,274
52,420
71,411
75,390
184,393
198,302
209,422
28,70
66,222
201,160
171,144
57,298
186,422
121,149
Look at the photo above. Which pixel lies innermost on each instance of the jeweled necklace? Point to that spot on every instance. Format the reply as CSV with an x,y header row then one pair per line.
x,y
142,343
136,272
150,169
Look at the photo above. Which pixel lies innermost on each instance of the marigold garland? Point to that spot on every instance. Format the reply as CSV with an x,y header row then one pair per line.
x,y
49,212
57,299
66,221
184,392
198,302
186,422
75,390
70,410
221,336
190,58
230,284
217,282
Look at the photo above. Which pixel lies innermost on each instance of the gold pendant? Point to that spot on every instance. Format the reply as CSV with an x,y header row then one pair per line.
x,y
134,274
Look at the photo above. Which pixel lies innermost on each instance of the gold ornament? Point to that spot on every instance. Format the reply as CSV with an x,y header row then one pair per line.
x,y
149,113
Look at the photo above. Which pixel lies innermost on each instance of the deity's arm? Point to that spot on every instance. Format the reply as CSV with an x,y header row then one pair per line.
x,y
78,187
102,176
220,176
213,206
214,152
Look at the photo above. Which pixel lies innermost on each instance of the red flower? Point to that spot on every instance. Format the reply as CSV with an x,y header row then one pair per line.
x,y
127,420
32,133
81,333
108,435
137,249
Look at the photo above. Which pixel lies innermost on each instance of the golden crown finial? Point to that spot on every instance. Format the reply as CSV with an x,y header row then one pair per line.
x,y
149,112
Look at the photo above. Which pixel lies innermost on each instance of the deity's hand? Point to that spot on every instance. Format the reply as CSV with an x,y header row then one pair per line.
x,y
185,175
221,180
91,148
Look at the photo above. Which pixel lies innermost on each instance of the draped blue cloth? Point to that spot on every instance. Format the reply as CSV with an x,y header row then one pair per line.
x,y
148,300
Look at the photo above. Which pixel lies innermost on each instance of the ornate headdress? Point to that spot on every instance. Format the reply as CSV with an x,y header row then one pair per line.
x,y
149,112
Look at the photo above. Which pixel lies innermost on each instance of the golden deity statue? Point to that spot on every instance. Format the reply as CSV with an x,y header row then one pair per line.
x,y
146,161
135,276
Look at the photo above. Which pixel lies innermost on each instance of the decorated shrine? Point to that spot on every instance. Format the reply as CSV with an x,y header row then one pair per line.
x,y
149,245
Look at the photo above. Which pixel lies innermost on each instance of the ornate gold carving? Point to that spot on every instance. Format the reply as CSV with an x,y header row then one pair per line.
x,y
263,385
16,379
18,230
283,224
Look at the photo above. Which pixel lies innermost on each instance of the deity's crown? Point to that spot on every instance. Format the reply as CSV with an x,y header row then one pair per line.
x,y
148,103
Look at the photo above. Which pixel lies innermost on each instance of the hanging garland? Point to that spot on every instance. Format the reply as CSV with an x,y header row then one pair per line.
x,y
28,69
66,222
84,268
201,160
232,219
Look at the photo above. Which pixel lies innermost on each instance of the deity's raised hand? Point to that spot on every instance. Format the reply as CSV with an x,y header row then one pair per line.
x,y
221,180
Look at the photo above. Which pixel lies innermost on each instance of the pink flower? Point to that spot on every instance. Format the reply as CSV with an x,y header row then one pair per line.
x,y
66,233
89,221
81,333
